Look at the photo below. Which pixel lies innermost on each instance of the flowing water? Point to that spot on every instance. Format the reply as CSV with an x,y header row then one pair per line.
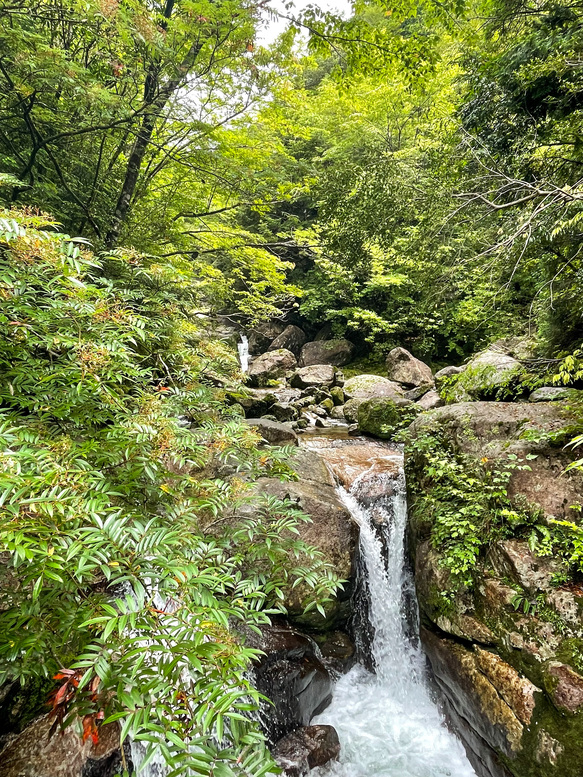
x,y
388,723
243,348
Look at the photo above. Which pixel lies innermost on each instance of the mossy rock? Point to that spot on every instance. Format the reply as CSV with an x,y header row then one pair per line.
x,y
337,394
382,417
327,404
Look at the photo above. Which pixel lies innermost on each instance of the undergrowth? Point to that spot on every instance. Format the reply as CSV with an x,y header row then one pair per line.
x,y
126,573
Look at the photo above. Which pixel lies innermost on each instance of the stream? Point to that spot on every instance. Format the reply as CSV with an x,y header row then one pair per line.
x,y
387,718
388,722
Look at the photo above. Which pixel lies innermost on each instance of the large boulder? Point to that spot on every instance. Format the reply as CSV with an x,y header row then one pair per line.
x,y
292,339
493,430
487,376
404,368
504,644
382,416
262,335
369,386
305,749
315,375
335,352
270,366
273,432
332,531
362,387
490,703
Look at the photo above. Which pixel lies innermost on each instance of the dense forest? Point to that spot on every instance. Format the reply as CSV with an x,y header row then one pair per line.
x,y
408,176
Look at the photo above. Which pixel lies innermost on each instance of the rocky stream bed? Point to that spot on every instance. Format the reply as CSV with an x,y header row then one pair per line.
x,y
395,680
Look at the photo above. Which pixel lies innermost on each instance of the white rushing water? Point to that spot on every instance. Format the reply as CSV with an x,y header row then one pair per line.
x,y
243,348
388,723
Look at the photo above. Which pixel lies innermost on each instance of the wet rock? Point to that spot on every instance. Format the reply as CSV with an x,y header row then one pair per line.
x,y
305,749
335,352
555,394
369,386
430,401
270,366
338,650
404,368
368,458
473,695
273,432
566,687
291,674
313,375
262,335
517,691
292,338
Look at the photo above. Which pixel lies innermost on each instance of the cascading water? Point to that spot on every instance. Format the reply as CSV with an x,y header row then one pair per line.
x,y
243,348
387,722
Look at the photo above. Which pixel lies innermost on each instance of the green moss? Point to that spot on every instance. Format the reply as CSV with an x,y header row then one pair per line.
x,y
485,382
382,417
369,366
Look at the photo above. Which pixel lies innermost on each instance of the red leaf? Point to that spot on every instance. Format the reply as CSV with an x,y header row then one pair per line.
x,y
90,729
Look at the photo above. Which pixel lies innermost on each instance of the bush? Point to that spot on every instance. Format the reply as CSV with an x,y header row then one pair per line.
x,y
129,577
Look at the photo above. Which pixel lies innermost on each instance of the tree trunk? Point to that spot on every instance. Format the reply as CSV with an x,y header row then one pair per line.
x,y
131,178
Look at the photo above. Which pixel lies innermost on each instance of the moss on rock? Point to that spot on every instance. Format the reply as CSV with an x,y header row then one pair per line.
x,y
382,417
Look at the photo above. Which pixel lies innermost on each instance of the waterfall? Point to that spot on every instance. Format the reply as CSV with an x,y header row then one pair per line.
x,y
243,348
388,722
155,768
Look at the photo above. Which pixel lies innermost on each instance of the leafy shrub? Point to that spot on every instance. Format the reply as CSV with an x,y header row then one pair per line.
x,y
465,504
126,572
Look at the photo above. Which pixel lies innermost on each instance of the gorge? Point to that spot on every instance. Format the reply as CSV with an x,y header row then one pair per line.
x,y
291,388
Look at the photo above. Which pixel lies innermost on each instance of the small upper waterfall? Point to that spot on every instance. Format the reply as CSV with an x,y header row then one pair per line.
x,y
243,348
388,723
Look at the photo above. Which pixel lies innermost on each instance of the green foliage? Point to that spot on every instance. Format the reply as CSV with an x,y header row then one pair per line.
x,y
465,504
570,369
134,567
